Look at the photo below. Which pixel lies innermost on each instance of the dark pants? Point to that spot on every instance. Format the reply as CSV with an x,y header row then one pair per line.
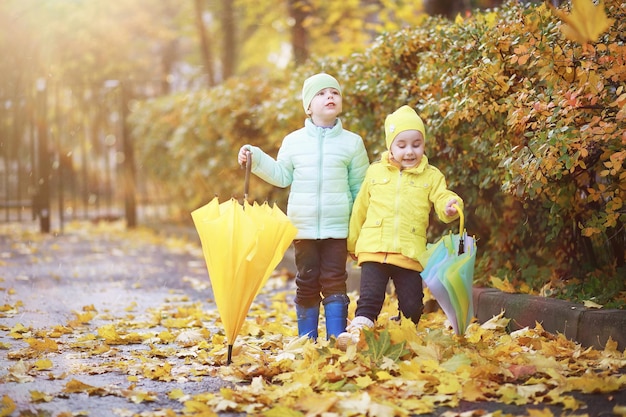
x,y
374,279
321,266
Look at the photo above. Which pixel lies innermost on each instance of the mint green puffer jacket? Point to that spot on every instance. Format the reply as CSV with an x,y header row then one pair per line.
x,y
325,168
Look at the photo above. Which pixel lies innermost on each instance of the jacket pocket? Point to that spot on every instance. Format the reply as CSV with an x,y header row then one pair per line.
x,y
419,186
379,181
371,236
373,223
373,230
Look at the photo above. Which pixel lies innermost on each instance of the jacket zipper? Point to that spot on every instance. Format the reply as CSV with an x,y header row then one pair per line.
x,y
321,134
396,223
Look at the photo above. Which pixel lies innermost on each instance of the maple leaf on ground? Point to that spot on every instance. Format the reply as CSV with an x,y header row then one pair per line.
x,y
75,386
496,322
7,406
502,284
533,412
316,404
403,331
456,362
43,364
591,304
19,373
45,345
281,411
522,371
39,397
381,347
585,23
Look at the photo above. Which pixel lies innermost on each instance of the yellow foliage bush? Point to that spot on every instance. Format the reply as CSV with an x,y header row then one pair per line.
x,y
527,124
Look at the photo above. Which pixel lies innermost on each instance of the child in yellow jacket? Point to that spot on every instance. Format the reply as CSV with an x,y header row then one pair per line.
x,y
389,220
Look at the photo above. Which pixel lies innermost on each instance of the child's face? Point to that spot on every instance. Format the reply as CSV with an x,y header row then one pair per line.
x,y
325,107
407,148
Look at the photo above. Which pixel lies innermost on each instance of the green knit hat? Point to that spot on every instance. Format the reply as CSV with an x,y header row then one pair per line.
x,y
315,84
405,118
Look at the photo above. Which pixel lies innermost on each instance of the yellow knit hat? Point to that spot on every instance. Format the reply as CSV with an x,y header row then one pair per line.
x,y
316,83
405,118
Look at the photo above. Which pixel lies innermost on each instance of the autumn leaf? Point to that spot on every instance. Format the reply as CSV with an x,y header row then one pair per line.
x,y
177,394
456,362
282,411
406,331
82,318
585,23
75,387
381,347
496,322
160,372
522,371
18,331
315,405
7,406
19,372
43,364
139,397
502,285
109,333
190,337
533,412
40,397
591,304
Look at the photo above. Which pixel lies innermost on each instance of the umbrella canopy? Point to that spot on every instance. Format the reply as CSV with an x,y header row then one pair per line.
x,y
241,244
449,274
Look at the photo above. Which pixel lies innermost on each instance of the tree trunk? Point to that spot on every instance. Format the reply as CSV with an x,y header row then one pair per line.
x,y
299,36
445,8
168,58
205,45
229,56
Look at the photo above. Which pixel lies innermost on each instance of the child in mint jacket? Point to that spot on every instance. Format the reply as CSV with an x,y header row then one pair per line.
x,y
390,218
325,165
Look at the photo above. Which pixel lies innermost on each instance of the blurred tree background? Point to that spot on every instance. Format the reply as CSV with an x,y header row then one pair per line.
x,y
193,43
524,103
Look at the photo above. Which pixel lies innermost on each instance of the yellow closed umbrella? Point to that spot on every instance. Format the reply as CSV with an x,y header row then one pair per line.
x,y
242,245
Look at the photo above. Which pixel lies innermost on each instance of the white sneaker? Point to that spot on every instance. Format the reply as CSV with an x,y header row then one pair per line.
x,y
352,335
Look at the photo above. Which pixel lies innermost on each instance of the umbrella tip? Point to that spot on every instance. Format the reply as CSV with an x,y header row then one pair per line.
x,y
229,360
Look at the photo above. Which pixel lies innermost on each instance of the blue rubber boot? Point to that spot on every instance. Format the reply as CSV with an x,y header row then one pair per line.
x,y
336,310
307,320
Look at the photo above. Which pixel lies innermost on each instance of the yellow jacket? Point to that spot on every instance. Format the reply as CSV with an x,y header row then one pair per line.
x,y
391,212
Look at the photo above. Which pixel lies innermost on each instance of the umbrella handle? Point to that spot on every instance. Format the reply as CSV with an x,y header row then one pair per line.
x,y
461,218
246,182
461,228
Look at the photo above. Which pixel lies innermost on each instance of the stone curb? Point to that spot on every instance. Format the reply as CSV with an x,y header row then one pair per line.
x,y
589,327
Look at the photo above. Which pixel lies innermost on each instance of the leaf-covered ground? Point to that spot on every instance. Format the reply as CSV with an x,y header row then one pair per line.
x,y
396,370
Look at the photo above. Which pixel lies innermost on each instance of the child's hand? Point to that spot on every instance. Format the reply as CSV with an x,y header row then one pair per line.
x,y
242,157
450,209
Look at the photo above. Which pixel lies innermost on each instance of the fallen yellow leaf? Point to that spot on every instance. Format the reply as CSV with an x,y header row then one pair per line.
x,y
43,364
591,304
8,406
